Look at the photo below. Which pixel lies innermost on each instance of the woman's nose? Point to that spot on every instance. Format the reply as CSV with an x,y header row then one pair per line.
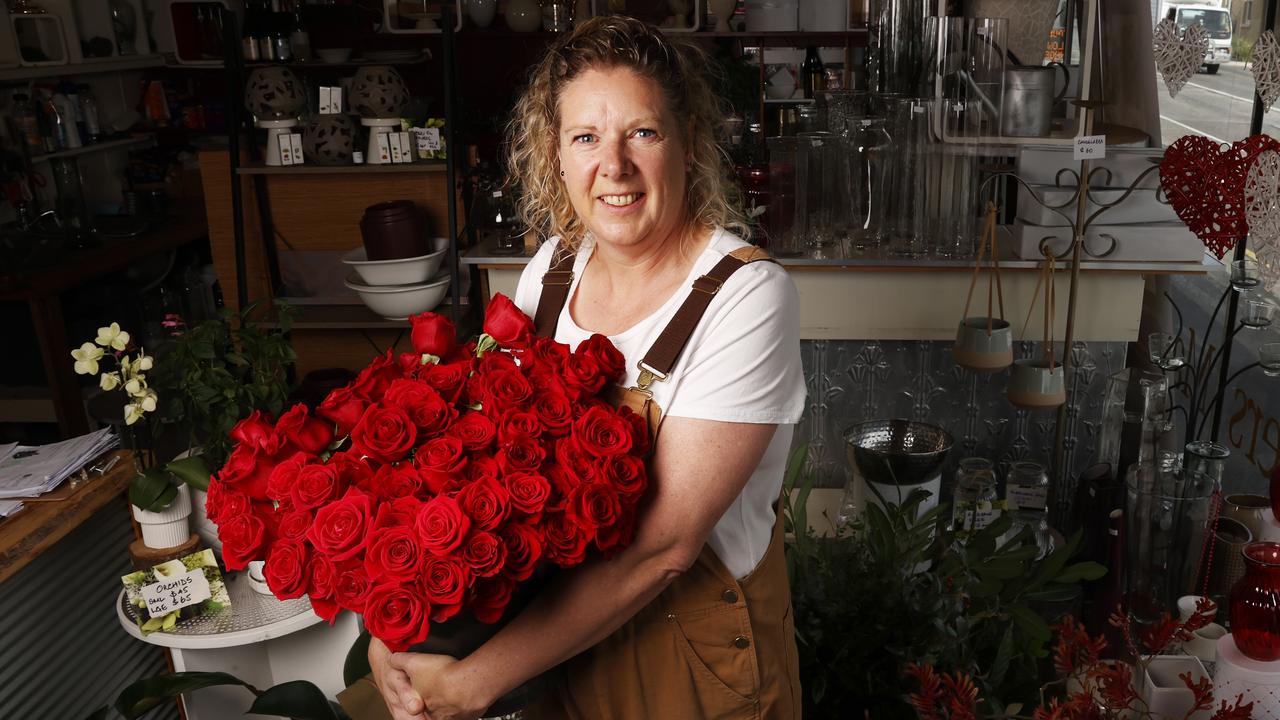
x,y
615,162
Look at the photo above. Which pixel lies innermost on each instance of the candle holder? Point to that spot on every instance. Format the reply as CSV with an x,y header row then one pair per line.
x,y
1269,359
1257,314
1166,351
1245,275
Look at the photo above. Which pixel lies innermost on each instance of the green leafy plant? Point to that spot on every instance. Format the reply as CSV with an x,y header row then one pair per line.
x,y
896,587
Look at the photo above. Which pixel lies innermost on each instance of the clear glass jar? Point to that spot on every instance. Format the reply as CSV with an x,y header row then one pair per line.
x,y
1027,497
975,503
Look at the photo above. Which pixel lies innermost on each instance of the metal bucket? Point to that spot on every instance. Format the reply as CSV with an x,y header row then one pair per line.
x,y
1029,99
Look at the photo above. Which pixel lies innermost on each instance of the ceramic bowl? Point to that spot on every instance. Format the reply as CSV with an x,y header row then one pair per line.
x,y
405,271
398,302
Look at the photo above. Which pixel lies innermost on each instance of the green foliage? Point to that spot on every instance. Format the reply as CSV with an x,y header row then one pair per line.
x,y
1241,49
219,371
893,588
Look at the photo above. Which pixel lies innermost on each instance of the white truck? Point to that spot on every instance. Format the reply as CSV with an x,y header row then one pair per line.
x,y
1217,25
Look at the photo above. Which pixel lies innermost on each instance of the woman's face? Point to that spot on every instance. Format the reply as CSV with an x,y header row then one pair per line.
x,y
623,156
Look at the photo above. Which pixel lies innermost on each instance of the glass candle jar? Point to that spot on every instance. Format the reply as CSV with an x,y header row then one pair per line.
x,y
1255,603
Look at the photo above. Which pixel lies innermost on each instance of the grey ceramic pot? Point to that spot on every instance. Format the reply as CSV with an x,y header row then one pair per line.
x,y
1034,385
983,350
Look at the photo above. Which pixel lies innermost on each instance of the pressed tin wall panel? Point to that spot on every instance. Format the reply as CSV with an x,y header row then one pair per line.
x,y
853,380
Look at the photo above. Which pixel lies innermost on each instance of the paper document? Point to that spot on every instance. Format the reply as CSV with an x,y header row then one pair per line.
x,y
31,470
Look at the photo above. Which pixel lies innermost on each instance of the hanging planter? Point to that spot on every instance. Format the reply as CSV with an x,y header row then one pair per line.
x,y
985,344
1040,383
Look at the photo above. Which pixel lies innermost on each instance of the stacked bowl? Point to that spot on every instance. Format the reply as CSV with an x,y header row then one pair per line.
x,y
397,272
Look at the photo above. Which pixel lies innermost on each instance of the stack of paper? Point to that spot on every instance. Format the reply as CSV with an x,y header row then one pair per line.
x,y
29,471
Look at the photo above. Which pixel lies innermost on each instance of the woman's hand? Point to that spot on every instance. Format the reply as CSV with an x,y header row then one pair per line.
x,y
439,685
397,690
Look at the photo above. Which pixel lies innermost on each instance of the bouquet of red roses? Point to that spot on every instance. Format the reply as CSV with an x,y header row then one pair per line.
x,y
438,479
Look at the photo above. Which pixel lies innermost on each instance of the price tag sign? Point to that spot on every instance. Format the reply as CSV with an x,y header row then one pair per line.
x,y
175,593
428,139
1091,147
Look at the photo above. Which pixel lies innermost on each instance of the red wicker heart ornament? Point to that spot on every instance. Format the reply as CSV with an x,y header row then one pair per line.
x,y
1204,181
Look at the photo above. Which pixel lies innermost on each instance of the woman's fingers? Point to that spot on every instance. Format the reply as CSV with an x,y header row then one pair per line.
x,y
394,684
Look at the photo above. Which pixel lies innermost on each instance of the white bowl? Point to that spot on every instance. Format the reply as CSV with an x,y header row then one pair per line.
x,y
398,302
404,271
334,55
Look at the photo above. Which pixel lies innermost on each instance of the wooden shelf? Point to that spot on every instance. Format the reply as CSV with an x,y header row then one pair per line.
x,y
344,316
86,67
423,166
96,148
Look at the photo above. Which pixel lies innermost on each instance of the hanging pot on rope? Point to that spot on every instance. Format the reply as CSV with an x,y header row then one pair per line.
x,y
1038,383
985,343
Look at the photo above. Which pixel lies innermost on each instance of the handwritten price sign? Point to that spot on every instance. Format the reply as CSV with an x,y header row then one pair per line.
x,y
175,593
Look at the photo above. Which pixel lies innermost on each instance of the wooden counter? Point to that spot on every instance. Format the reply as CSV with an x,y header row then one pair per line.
x,y
39,525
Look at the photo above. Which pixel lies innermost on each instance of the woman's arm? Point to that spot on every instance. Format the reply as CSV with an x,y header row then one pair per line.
x,y
698,469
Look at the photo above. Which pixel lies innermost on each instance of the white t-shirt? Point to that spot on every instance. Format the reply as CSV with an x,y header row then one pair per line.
x,y
742,364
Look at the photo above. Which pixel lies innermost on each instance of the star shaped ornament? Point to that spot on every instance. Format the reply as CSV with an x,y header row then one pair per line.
x,y
1179,57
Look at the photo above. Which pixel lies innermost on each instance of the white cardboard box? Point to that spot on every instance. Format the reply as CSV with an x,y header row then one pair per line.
x,y
397,150
1140,207
1041,164
1142,242
295,141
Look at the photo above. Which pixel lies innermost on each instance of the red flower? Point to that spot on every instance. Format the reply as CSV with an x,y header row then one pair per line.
x,y
524,550
521,453
612,539
482,467
429,412
640,441
605,356
344,408
441,525
504,390
475,431
592,506
384,434
316,485
247,471
352,585
528,492
432,334
490,597
286,569
444,583
243,536
484,553
294,524
322,576
284,475
352,470
372,382
486,502
448,380
566,542
519,423
440,462
583,375
309,434
395,481
505,323
397,615
626,474
548,351
554,411
256,432
392,554
602,433
340,527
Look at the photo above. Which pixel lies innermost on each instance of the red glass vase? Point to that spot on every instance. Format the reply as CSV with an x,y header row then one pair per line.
x,y
1275,492
1255,603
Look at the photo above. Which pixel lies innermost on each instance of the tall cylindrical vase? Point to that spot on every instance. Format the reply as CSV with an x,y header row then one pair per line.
x,y
897,51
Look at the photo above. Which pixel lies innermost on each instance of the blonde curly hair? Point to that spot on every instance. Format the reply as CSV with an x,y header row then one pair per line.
x,y
711,197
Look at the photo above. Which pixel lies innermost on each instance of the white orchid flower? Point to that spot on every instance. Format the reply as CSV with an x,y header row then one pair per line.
x,y
132,413
87,358
148,401
113,337
143,363
110,381
136,387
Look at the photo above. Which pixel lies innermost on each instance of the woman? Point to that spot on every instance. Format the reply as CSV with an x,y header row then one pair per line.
x,y
614,144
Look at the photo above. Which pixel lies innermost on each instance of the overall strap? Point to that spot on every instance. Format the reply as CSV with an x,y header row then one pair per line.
x,y
555,291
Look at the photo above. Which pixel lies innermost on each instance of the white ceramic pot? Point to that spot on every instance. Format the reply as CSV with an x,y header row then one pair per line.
x,y
481,12
169,527
524,15
200,522
981,349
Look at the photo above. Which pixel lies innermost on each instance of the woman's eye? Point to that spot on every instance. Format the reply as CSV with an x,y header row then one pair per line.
x,y
646,133
585,138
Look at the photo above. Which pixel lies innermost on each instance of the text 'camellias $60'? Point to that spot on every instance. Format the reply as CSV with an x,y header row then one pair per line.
x,y
437,480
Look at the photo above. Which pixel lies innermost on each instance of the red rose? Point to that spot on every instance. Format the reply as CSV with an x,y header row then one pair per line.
x,y
352,470
397,615
423,404
256,432
640,442
486,502
242,539
505,390
554,411
524,549
322,577
519,423
505,323
606,357
448,380
232,503
572,459
444,582
344,408
482,467
247,471
562,482
441,525
528,491
372,382
294,524
384,434
284,475
626,474
496,362
602,432
484,553
592,506
351,586
566,542
395,481
392,554
309,434
519,454
408,363
339,527
490,597
440,462
286,569
401,511
475,431
612,539
432,334
582,375
548,351
316,485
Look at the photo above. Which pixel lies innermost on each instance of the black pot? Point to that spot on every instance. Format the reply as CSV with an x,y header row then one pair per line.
x,y
394,230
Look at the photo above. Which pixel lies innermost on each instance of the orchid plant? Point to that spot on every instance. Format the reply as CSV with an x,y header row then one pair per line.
x,y
130,372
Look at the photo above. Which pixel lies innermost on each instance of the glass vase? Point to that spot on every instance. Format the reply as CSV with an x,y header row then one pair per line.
x,y
1207,457
1255,603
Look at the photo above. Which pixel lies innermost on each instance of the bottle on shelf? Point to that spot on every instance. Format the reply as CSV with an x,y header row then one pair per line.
x,y
89,114
250,33
812,71
299,38
27,118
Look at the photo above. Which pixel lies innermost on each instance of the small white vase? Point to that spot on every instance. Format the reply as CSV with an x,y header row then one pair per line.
x,y
481,12
169,527
723,10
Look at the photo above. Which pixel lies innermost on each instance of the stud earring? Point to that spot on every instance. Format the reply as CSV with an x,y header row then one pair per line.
x,y
561,173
